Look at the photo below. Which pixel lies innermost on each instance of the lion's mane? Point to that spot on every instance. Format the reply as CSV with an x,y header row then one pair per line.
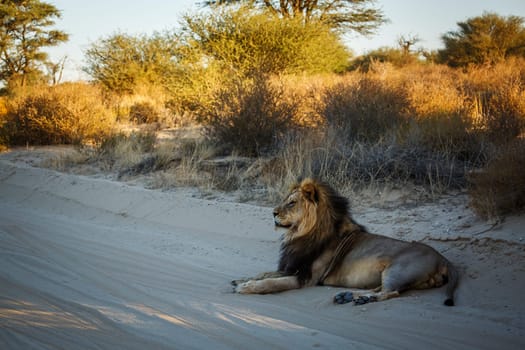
x,y
325,213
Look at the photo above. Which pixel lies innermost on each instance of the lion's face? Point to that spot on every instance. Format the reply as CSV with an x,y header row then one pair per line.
x,y
289,213
298,210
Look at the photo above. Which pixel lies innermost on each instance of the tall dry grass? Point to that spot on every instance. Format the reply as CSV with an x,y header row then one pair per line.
x,y
4,141
424,125
428,125
121,150
497,99
499,188
149,104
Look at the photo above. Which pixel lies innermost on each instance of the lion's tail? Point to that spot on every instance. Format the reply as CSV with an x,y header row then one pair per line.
x,y
452,283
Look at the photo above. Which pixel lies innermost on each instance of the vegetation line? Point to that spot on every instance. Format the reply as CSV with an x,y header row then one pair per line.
x,y
275,95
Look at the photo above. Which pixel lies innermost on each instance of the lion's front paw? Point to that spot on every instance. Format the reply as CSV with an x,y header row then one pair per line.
x,y
235,283
247,287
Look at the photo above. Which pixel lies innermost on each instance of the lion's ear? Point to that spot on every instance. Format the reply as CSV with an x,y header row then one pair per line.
x,y
310,192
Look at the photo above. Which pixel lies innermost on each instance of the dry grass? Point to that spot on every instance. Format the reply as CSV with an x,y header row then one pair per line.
x,y
4,142
496,97
364,109
70,113
182,164
249,117
499,188
428,126
148,105
121,151
68,160
359,166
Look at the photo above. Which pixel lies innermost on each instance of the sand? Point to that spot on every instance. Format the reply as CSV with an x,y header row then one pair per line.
x,y
89,263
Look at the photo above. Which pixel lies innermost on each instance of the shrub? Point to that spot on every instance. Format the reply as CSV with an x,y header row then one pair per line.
x,y
249,117
499,188
41,120
143,112
364,109
4,141
503,112
123,62
64,114
395,56
496,96
240,42
246,40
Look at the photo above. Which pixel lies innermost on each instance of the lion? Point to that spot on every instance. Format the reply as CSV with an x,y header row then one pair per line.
x,y
323,245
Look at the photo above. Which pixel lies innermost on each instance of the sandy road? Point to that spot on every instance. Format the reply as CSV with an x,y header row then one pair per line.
x,y
92,264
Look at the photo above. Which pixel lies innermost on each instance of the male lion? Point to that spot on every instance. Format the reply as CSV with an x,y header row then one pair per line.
x,y
323,245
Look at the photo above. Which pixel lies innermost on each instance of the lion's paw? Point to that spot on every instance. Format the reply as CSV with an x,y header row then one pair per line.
x,y
235,283
247,287
343,297
348,297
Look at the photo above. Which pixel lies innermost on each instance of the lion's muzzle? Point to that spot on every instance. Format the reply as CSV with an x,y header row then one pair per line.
x,y
278,223
277,220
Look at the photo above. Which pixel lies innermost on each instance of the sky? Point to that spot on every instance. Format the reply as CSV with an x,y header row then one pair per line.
x,y
88,21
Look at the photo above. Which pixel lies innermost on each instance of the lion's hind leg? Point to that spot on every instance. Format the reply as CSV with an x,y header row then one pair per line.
x,y
403,275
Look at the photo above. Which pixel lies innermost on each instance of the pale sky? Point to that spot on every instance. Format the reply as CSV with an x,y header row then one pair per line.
x,y
87,21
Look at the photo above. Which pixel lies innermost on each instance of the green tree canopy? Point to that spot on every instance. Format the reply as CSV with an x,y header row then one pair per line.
x,y
23,33
489,38
355,15
244,41
121,61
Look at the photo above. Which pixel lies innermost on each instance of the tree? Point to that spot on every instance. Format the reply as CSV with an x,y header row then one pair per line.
x,y
485,39
399,56
120,62
228,45
243,41
405,43
354,15
23,33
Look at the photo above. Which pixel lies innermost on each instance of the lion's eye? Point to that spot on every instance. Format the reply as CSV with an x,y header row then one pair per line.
x,y
290,204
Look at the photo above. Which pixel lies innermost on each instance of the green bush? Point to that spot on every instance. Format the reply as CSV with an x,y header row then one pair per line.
x,y
484,40
244,40
122,62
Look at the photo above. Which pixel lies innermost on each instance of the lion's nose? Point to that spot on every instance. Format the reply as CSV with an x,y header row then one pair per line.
x,y
275,213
